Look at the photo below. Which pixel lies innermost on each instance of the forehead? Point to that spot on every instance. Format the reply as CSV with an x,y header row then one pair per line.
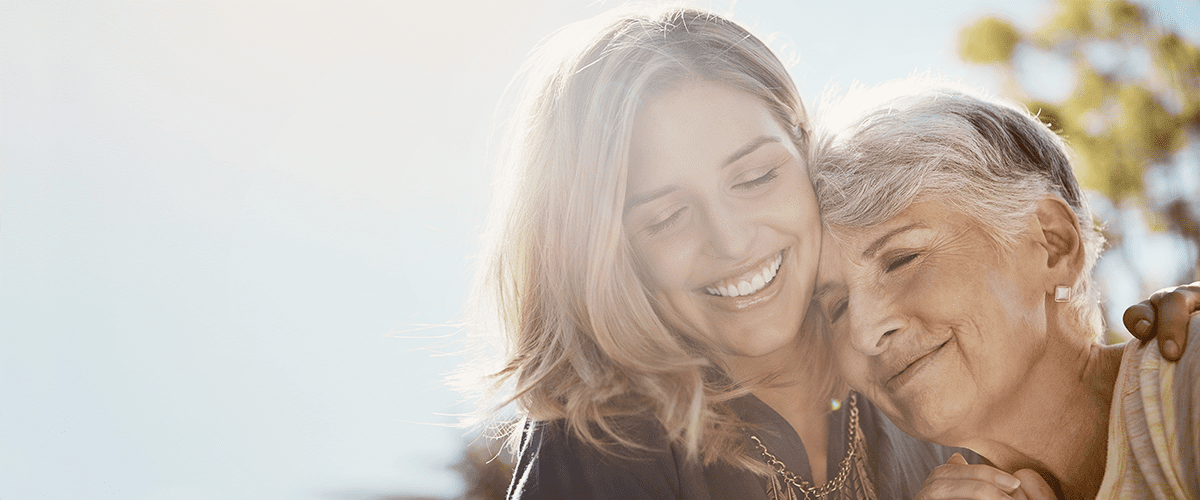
x,y
859,245
698,124
830,270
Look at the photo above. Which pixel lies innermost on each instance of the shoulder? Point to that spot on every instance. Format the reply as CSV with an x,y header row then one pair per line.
x,y
900,462
1147,382
555,463
1155,419
1186,406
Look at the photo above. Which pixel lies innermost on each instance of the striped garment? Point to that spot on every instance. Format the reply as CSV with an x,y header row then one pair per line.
x,y
1154,425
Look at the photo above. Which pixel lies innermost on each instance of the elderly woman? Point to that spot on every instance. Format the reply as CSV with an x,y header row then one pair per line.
x,y
956,278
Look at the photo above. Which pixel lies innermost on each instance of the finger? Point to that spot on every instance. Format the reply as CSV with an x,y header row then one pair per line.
x,y
1139,318
957,472
957,459
944,489
1034,486
1174,310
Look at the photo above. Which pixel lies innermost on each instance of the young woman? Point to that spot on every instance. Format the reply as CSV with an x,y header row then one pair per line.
x,y
650,270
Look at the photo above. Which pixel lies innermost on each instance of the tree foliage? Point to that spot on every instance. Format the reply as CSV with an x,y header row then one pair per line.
x,y
1133,108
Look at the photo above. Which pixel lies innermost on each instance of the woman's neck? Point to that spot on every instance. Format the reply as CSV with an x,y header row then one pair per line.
x,y
792,382
809,420
1057,423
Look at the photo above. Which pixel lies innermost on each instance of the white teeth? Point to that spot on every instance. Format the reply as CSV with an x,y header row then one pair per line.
x,y
748,285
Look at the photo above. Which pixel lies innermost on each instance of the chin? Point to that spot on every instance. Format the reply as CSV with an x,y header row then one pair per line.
x,y
764,337
937,416
761,344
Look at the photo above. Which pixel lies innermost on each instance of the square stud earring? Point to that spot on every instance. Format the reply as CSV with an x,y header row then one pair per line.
x,y
1062,293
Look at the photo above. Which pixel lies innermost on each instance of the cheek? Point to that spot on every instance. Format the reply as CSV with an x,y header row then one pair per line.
x,y
1018,302
666,262
799,208
1019,325
950,396
948,289
791,202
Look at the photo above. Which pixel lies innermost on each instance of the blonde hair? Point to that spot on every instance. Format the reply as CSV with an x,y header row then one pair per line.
x,y
989,160
583,341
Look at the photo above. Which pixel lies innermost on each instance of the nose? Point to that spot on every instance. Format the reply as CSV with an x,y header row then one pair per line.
x,y
730,235
874,320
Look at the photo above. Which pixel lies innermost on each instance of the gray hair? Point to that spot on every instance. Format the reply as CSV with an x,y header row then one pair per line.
x,y
988,160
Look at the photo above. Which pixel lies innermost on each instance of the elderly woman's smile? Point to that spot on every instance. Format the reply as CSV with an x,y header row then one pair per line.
x,y
921,358
930,321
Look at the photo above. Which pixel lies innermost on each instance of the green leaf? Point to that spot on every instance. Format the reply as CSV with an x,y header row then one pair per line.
x,y
1125,18
988,40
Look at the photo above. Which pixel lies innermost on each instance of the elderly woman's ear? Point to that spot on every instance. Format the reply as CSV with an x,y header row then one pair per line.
x,y
1056,231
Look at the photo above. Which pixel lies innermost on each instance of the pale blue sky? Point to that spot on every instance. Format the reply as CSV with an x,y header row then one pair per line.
x,y
218,216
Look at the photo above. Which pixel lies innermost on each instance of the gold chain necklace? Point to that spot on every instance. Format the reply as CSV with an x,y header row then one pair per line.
x,y
830,486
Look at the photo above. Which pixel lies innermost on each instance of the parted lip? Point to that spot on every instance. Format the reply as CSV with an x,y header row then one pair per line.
x,y
766,295
900,371
744,269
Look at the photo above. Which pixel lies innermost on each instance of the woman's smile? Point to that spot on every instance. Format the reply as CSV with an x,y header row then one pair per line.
x,y
911,369
749,282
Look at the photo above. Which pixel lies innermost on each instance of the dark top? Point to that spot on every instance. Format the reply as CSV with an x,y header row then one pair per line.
x,y
554,464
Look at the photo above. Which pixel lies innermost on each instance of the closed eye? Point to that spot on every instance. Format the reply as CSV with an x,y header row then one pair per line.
x,y
838,310
665,224
758,181
896,264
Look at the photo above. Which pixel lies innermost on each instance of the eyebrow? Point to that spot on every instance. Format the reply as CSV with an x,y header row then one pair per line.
x,y
870,251
750,147
649,196
742,152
